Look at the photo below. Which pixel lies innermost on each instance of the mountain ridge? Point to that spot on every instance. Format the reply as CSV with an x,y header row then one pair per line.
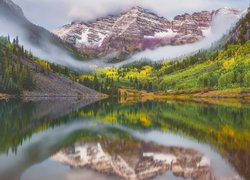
x,y
241,32
138,29
36,35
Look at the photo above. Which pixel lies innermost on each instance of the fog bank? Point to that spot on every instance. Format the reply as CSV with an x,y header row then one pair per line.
x,y
221,25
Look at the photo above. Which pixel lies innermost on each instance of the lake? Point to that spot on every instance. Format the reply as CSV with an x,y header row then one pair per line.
x,y
115,139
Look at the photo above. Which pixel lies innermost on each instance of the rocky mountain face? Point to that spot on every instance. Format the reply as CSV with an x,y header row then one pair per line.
x,y
138,29
241,32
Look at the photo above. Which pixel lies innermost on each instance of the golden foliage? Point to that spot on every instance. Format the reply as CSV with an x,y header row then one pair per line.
x,y
227,64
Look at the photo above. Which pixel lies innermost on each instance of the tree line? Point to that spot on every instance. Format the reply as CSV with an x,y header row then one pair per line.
x,y
14,76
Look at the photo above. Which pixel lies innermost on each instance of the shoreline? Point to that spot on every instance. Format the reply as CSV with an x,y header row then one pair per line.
x,y
238,93
50,96
76,98
126,95
212,96
5,96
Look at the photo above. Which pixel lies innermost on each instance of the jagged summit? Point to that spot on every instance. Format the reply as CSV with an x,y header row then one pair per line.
x,y
138,9
227,11
137,29
241,32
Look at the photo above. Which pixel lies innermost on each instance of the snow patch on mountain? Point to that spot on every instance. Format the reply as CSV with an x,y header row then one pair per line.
x,y
167,158
206,32
164,34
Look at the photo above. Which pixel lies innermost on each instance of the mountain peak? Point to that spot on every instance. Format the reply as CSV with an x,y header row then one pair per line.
x,y
134,10
227,11
138,29
139,9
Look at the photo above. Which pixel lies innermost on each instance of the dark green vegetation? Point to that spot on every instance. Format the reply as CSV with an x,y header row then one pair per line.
x,y
22,74
14,76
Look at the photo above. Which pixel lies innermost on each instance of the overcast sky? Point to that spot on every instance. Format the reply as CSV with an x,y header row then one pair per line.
x,y
54,13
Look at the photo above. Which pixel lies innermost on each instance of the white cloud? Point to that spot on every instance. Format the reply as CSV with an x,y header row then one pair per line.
x,y
54,13
220,26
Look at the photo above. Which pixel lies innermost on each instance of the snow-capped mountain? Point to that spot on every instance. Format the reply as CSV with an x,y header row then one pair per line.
x,y
138,29
227,11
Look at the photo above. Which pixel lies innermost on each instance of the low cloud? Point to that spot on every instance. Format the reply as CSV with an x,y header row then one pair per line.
x,y
221,25
46,51
52,13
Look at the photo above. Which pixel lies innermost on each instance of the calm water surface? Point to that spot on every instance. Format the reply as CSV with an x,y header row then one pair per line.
x,y
68,139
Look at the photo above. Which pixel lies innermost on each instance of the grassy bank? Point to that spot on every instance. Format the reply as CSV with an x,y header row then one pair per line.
x,y
222,70
4,96
130,94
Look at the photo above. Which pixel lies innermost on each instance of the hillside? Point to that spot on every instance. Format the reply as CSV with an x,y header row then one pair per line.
x,y
241,32
220,70
50,84
14,22
21,75
223,69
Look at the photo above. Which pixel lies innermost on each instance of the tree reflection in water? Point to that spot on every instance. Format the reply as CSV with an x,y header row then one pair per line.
x,y
226,127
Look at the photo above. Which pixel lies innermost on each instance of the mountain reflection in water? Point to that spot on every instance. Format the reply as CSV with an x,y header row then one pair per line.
x,y
68,139
136,161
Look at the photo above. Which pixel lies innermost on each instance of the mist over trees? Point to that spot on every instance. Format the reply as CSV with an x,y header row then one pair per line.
x,y
14,76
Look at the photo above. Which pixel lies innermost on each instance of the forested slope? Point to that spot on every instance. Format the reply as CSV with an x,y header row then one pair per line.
x,y
223,68
20,74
